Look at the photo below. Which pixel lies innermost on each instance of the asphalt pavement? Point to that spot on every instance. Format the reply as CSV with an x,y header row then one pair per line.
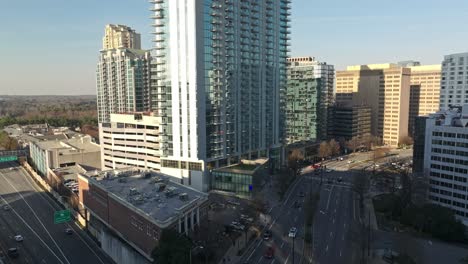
x,y
337,224
31,215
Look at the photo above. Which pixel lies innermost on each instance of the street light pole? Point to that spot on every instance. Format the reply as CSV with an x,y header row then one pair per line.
x,y
293,253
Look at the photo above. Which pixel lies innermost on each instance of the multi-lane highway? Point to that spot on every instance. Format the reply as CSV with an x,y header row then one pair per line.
x,y
30,213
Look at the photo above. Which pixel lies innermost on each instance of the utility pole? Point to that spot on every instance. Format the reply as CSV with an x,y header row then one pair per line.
x,y
369,238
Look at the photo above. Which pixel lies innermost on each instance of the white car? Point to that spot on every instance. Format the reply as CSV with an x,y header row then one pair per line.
x,y
19,238
292,232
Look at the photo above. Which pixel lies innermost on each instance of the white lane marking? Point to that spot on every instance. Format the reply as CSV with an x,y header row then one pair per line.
x,y
295,219
260,259
342,237
340,253
329,196
326,249
37,217
331,234
32,230
46,198
273,261
282,245
333,220
286,261
260,242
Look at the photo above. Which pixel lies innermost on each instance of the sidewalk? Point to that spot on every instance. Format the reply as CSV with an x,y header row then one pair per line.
x,y
369,212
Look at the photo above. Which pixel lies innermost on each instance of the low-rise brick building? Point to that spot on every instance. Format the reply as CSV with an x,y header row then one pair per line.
x,y
136,205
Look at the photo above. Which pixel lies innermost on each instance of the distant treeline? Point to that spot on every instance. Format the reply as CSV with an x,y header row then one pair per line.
x,y
59,121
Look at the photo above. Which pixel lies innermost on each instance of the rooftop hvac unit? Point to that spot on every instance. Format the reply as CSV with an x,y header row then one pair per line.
x,y
183,197
133,191
160,187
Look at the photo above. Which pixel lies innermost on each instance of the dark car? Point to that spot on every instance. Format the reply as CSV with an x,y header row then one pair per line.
x,y
301,194
340,179
269,253
267,235
13,252
68,231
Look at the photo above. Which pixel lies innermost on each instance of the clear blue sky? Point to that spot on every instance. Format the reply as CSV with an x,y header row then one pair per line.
x,y
51,46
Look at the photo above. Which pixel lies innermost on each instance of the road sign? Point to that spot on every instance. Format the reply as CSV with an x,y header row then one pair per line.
x,y
62,216
8,158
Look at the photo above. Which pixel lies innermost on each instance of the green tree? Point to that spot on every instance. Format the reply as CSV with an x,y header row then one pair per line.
x,y
173,248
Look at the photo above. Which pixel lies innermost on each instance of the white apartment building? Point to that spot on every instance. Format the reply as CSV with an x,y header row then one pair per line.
x,y
123,75
220,70
130,140
446,159
454,82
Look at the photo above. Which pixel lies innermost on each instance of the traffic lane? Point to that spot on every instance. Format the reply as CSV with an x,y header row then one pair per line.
x,y
7,232
71,245
256,255
337,242
23,213
291,217
321,223
34,238
330,223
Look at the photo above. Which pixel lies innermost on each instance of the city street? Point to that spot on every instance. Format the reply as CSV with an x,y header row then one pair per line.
x,y
283,218
31,215
337,224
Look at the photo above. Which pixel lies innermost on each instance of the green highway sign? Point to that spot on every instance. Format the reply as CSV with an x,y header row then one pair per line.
x,y
62,216
8,158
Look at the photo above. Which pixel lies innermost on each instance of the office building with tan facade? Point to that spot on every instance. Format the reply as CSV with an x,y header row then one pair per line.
x,y
385,88
424,92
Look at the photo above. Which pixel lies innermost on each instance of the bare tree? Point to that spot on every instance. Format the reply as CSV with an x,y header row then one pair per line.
x,y
324,150
353,144
334,147
294,158
406,141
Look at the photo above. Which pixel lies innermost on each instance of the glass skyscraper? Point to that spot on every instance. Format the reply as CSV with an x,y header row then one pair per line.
x,y
219,75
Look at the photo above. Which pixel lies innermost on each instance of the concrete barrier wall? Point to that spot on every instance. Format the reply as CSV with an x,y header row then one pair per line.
x,y
38,179
120,252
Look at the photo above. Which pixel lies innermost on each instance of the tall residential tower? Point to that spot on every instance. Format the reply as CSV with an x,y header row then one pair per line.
x,y
309,95
220,70
123,73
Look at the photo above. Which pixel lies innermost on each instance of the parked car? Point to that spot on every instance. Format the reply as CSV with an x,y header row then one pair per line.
x,y
292,232
301,194
340,179
19,238
6,208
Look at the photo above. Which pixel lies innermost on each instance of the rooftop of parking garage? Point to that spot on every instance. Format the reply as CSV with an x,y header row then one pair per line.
x,y
150,192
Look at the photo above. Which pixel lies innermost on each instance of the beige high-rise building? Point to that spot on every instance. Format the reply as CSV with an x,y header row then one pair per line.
x,y
424,92
120,36
385,88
